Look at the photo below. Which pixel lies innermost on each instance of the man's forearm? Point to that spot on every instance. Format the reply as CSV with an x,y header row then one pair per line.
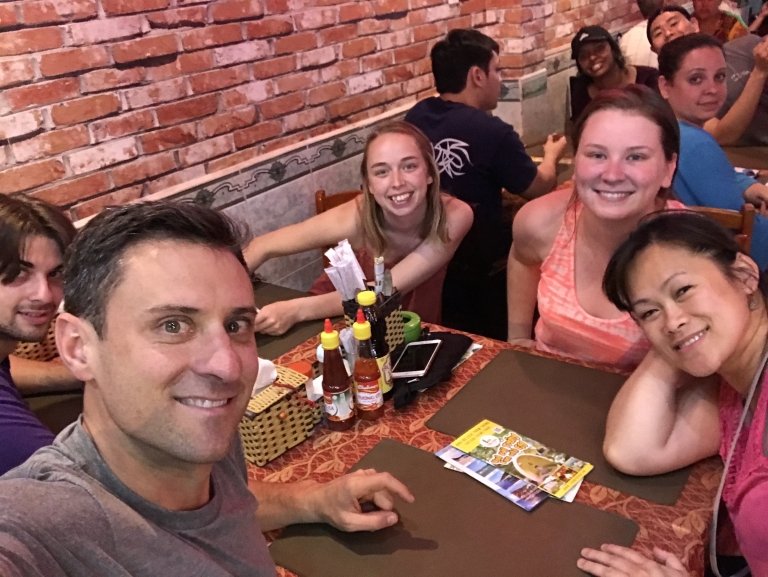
x,y
35,377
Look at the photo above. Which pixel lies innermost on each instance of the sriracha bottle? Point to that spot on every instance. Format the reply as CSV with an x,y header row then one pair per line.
x,y
368,397
337,385
367,300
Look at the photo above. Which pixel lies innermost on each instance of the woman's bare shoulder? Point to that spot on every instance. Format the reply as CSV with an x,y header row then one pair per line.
x,y
537,223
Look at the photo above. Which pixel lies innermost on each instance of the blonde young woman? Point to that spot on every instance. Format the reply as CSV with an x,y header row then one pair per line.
x,y
401,215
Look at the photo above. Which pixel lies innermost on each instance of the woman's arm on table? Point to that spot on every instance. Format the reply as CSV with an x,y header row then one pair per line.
x,y
732,125
533,232
342,503
661,420
278,317
324,229
432,254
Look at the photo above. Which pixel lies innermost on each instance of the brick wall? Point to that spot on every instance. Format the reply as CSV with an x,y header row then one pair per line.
x,y
105,101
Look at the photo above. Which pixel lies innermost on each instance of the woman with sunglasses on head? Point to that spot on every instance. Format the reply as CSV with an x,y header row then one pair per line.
x,y
626,145
401,215
693,81
700,390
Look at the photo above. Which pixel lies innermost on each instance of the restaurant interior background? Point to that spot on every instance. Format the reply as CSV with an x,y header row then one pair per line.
x,y
248,105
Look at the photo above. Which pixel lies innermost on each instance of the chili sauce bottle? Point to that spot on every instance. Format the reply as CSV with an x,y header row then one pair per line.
x,y
337,385
368,397
367,301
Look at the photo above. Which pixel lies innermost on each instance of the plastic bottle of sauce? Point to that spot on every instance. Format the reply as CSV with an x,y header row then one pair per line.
x,y
368,397
367,301
337,385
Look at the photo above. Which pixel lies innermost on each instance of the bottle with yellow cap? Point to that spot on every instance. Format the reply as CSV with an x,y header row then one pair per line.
x,y
368,396
337,385
367,301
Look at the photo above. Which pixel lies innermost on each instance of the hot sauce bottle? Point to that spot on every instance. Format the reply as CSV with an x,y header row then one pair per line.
x,y
367,301
368,397
337,385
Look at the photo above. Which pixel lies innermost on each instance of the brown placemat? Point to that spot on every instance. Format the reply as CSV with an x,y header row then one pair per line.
x,y
559,404
457,527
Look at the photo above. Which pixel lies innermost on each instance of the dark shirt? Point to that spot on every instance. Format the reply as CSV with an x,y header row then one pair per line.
x,y
21,432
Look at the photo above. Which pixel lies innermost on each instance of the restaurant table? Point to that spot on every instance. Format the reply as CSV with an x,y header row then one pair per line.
x,y
680,527
748,156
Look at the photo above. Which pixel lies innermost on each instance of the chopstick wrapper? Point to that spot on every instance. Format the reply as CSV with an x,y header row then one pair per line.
x,y
345,272
266,376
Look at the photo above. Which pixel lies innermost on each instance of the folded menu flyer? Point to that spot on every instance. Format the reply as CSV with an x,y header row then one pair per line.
x,y
515,456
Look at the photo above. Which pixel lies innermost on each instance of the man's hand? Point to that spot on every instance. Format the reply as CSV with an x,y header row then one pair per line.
x,y
760,52
617,561
554,147
360,501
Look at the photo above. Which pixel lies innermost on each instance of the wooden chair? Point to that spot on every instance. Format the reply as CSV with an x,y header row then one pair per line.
x,y
325,202
740,221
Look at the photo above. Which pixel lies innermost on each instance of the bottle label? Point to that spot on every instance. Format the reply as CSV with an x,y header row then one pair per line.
x,y
339,406
385,370
368,395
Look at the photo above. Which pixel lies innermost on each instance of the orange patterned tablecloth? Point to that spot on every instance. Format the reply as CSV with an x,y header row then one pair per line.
x,y
681,528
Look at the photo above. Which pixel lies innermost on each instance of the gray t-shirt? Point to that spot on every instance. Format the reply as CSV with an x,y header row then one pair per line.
x,y
64,512
740,61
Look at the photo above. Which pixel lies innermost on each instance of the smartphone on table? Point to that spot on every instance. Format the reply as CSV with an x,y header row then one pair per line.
x,y
416,359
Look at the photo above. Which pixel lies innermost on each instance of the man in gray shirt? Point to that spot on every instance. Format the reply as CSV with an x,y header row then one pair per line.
x,y
151,479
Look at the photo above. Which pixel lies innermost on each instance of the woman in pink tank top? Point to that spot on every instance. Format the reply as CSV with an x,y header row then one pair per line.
x,y
702,305
626,145
401,215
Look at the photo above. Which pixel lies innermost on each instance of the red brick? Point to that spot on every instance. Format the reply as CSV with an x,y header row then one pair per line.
x,y
398,74
95,31
303,119
32,40
243,52
121,7
65,193
273,67
326,92
337,34
295,43
142,169
8,16
54,11
167,138
123,125
358,47
21,124
231,160
155,93
174,179
343,107
209,148
250,93
133,50
268,27
110,78
31,175
378,60
228,10
428,32
257,133
389,7
298,81
218,79
103,155
356,11
276,107
342,69
13,72
211,36
314,19
227,122
73,60
275,6
50,143
83,109
411,53
188,109
372,26
319,57
96,205
41,93
185,64
192,16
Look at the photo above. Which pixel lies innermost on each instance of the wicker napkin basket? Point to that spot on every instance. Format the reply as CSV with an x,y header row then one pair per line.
x,y
391,309
279,417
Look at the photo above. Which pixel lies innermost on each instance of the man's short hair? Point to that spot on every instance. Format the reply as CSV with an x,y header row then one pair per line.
x,y
648,7
94,262
459,51
21,218
657,13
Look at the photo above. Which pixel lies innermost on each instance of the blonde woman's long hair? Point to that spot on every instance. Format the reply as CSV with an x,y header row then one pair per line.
x,y
372,215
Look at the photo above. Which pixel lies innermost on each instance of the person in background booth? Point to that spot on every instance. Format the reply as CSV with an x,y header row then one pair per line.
x,y
601,66
33,238
626,152
634,42
401,216
701,389
151,480
717,23
692,80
